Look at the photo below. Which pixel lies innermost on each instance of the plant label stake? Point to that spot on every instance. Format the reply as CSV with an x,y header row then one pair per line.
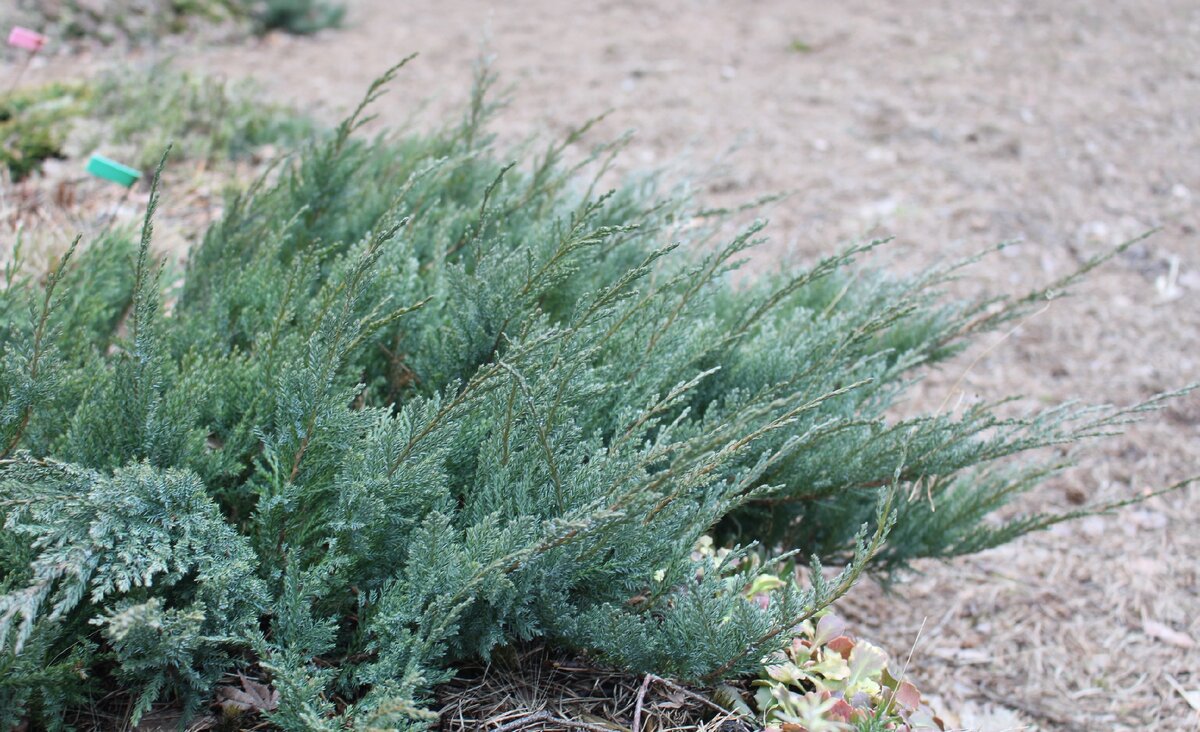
x,y
28,40
122,175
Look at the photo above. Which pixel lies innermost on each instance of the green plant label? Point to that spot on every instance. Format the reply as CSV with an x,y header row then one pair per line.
x,y
102,167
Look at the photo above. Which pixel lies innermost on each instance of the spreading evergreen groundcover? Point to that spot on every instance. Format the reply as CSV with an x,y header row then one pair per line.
x,y
140,111
408,404
141,21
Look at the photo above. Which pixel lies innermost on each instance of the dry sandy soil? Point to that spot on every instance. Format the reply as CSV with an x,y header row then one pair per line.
x,y
1067,125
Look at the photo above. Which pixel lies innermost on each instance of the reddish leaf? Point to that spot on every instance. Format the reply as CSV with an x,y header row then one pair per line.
x,y
841,711
842,644
908,695
828,628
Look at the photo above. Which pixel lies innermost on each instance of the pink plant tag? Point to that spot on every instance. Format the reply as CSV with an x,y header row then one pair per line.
x,y
29,40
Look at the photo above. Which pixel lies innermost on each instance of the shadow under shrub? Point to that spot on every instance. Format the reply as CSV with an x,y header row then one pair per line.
x,y
409,404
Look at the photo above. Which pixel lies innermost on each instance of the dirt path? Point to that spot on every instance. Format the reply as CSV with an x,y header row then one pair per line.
x,y
1068,125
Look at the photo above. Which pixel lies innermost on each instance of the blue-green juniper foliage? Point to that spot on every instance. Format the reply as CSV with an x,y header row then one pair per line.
x,y
408,404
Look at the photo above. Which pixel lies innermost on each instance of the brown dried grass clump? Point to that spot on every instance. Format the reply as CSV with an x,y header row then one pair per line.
x,y
533,689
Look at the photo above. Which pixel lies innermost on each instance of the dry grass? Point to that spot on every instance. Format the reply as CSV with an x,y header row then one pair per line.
x,y
535,690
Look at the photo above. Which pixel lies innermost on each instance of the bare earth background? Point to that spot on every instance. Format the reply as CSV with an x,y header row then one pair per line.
x,y
1067,125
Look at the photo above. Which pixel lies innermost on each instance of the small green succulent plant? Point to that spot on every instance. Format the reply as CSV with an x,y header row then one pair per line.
x,y
824,680
828,681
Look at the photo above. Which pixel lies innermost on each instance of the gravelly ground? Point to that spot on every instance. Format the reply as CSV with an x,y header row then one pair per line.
x,y
1067,125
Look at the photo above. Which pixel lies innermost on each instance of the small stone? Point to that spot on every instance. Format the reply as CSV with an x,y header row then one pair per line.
x,y
882,155
1095,231
1076,495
